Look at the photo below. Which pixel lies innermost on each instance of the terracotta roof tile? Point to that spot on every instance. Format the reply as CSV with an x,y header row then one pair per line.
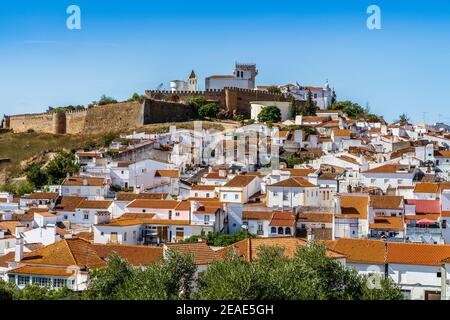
x,y
294,183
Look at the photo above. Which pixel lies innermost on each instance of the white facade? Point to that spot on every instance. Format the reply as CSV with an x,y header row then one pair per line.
x,y
257,106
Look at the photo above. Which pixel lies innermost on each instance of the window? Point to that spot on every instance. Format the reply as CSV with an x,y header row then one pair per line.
x,y
42,282
206,217
236,196
224,196
260,227
170,214
23,280
66,217
285,196
207,195
102,233
273,230
196,194
86,216
177,214
59,283
323,225
280,230
124,236
134,235
143,210
287,231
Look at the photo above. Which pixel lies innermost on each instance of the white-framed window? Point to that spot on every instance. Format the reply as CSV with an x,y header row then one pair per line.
x,y
23,280
86,216
41,281
236,196
285,196
206,217
207,195
59,283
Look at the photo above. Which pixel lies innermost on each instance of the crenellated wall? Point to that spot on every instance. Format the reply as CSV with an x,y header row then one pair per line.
x,y
101,119
229,99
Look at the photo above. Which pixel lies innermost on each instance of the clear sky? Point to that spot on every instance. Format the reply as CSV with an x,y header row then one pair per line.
x,y
132,45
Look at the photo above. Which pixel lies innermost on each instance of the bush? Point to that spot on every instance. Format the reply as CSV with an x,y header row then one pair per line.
x,y
209,110
270,114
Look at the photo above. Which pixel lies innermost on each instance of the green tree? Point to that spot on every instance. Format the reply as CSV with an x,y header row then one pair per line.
x,y
7,291
310,108
353,110
309,275
270,114
293,108
209,110
36,176
105,100
108,138
107,283
196,102
403,118
60,166
136,97
24,188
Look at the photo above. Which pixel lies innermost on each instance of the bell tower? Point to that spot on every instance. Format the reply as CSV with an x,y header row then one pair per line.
x,y
192,82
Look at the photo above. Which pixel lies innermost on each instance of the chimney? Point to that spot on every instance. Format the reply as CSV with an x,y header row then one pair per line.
x,y
19,248
223,173
309,235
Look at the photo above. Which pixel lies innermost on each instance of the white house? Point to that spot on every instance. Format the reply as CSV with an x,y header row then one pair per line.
x,y
292,192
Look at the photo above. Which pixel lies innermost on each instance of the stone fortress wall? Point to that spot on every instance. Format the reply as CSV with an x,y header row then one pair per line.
x,y
131,115
233,100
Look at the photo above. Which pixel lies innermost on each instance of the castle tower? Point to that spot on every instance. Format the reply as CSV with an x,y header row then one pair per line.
x,y
246,71
192,82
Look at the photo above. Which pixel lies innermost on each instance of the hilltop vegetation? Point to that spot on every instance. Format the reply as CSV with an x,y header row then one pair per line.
x,y
31,148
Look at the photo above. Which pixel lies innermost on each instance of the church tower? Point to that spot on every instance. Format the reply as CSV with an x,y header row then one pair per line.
x,y
192,82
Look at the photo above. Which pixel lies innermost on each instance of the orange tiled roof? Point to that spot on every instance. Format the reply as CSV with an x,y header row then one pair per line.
x,y
153,204
205,187
386,202
387,223
302,172
174,174
203,254
426,187
256,215
43,270
341,132
43,195
294,183
374,251
282,219
389,168
316,217
247,249
354,207
130,196
95,204
240,181
67,203
78,181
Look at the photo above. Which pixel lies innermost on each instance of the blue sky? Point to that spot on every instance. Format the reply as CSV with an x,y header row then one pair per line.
x,y
127,46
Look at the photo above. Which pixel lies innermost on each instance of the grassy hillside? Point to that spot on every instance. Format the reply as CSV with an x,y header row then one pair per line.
x,y
25,148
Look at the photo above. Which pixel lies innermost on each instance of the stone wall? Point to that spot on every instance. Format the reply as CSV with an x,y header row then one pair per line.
x,y
39,122
230,99
156,111
113,117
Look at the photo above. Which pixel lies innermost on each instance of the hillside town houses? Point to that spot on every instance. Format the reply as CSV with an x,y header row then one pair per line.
x,y
377,194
